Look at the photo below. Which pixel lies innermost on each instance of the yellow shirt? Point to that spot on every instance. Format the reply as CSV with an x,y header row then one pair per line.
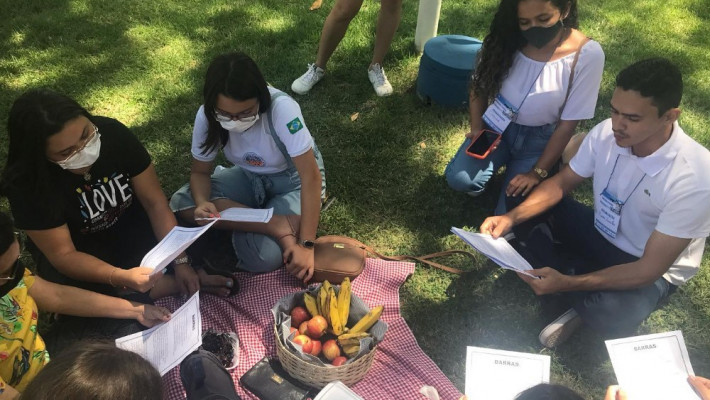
x,y
22,350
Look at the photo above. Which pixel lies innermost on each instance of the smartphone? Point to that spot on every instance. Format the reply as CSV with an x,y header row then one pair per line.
x,y
483,144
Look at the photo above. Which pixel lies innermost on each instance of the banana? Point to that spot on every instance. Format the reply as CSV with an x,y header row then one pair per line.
x,y
344,301
368,320
334,314
311,304
358,336
322,300
351,350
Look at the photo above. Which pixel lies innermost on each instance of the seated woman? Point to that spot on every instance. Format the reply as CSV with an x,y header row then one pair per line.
x,y
537,76
276,164
22,349
86,192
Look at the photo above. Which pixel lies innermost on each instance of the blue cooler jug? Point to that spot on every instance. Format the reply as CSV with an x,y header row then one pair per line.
x,y
445,69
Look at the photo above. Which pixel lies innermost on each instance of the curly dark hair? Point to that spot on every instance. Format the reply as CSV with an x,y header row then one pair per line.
x,y
504,39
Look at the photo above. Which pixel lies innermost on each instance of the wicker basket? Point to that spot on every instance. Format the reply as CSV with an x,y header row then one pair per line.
x,y
319,376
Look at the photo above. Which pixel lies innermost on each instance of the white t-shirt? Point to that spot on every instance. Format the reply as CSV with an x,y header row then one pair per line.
x,y
255,149
673,197
548,91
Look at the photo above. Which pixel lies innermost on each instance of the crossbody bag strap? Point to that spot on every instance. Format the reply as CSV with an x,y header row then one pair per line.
x,y
425,259
279,144
571,73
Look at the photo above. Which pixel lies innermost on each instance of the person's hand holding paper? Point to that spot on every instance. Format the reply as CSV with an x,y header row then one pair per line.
x,y
496,226
549,280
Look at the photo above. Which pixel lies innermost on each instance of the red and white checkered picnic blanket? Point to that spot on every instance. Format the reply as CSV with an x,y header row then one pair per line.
x,y
400,367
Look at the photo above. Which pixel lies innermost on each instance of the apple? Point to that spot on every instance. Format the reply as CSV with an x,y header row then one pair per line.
x,y
331,349
317,326
317,346
339,360
292,330
305,342
303,328
298,315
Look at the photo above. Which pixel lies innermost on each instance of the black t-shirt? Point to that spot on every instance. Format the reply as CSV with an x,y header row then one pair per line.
x,y
103,213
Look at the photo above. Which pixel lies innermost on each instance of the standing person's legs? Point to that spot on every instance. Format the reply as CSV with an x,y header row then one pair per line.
x,y
334,28
387,24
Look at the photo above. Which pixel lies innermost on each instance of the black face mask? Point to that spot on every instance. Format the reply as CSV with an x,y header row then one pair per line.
x,y
540,36
19,273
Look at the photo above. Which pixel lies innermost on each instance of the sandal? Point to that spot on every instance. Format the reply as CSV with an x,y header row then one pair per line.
x,y
212,270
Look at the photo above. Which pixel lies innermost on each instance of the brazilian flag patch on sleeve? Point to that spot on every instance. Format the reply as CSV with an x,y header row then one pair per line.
x,y
295,125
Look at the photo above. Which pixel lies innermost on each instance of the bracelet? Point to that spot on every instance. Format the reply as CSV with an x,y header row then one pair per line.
x,y
110,276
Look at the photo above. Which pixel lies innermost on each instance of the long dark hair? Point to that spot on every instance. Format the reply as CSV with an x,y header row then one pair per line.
x,y
501,43
234,75
7,234
96,370
35,116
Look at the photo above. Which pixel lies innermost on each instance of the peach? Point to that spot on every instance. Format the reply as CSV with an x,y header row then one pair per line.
x,y
339,360
303,328
298,315
317,346
331,349
317,326
305,342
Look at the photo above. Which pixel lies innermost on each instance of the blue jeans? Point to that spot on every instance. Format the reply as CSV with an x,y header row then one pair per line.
x,y
566,240
518,151
256,252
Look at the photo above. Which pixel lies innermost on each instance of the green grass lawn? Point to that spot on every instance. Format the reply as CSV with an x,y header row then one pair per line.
x,y
142,62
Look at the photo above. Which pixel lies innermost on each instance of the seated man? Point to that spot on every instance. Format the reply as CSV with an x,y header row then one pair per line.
x,y
22,350
646,233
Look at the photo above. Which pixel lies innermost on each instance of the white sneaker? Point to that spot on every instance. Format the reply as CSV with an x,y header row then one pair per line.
x,y
560,329
379,80
306,81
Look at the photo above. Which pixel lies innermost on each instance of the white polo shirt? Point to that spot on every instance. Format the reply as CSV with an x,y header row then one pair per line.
x,y
255,149
667,191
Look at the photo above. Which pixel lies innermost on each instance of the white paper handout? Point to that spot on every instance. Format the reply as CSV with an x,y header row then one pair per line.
x,y
501,375
498,250
166,345
652,366
174,243
239,214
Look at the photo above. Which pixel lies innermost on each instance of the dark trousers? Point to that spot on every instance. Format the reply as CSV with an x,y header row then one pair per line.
x,y
565,239
205,378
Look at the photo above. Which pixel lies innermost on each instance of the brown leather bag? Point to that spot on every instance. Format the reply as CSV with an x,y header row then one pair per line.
x,y
337,257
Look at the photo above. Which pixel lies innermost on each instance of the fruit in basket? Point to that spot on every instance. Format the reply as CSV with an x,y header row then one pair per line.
x,y
303,328
344,301
350,342
292,330
323,299
338,361
317,347
366,322
316,326
305,342
311,304
331,349
334,314
298,315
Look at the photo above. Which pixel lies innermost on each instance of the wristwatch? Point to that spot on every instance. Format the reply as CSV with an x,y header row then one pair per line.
x,y
182,260
309,244
542,173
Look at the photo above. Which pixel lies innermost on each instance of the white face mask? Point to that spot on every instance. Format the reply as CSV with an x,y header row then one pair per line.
x,y
85,157
238,126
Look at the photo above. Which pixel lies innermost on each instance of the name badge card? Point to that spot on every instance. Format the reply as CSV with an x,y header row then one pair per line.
x,y
607,214
500,114
498,374
652,366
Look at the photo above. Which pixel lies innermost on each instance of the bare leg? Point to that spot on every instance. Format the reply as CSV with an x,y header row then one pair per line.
x,y
387,24
334,28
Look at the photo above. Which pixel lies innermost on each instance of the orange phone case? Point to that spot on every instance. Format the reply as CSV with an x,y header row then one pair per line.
x,y
490,148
